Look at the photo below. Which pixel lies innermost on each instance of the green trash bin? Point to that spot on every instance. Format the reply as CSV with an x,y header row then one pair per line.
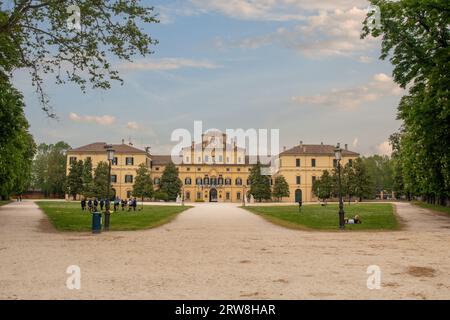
x,y
96,222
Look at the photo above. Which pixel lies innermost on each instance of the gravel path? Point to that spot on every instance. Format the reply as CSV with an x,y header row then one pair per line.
x,y
219,251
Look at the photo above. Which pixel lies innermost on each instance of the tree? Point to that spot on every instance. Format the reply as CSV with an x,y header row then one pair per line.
x,y
74,183
17,147
280,188
259,184
36,35
170,182
143,186
415,35
323,186
101,181
362,185
88,180
49,168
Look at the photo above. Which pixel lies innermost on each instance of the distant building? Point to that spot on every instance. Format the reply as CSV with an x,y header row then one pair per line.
x,y
215,171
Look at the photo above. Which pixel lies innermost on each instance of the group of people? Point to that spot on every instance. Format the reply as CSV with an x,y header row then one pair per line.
x,y
92,205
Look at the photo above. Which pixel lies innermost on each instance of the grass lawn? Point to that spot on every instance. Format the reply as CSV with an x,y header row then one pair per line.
x,y
67,216
3,202
433,207
374,216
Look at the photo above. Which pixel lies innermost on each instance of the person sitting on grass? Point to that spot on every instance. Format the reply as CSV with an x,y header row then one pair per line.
x,y
355,220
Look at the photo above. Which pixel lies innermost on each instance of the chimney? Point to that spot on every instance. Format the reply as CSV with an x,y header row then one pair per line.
x,y
346,146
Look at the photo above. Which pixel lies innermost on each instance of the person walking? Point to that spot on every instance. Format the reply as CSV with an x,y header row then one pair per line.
x,y
102,203
83,204
134,204
116,204
123,203
90,205
95,204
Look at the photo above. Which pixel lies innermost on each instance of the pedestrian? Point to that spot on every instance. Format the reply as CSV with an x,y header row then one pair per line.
x,y
83,204
116,204
95,204
130,204
102,203
90,205
107,205
134,203
123,203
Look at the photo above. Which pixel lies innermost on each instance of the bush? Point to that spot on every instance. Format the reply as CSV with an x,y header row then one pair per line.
x,y
199,200
161,195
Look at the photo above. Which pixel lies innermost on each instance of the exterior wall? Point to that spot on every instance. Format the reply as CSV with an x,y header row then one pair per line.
x,y
212,171
306,171
120,170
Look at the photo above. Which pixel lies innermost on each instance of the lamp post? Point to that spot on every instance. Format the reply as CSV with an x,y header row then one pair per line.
x,y
182,196
338,156
243,196
110,156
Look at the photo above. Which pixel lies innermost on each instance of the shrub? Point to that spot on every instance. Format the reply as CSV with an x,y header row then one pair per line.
x,y
161,195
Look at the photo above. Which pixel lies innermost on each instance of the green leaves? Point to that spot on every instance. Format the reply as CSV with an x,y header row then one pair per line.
x,y
143,186
259,184
170,182
280,188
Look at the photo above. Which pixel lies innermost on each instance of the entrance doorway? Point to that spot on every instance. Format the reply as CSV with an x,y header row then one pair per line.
x,y
213,195
298,195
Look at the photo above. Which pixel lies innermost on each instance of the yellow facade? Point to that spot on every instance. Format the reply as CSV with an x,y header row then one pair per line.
x,y
219,174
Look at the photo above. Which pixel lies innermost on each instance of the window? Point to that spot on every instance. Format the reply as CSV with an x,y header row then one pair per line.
x,y
238,169
187,181
297,162
228,169
313,163
115,161
220,158
239,160
72,160
199,160
206,181
227,196
238,196
188,169
213,181
156,181
188,195
113,178
238,181
88,159
228,159
220,181
248,182
128,178
187,159
350,163
227,181
199,195
206,158
157,169
313,180
129,161
199,169
198,181
298,180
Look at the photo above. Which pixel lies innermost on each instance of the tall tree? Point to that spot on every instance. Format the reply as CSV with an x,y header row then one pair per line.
x,y
259,183
362,186
49,168
101,181
280,188
323,186
74,183
17,147
37,36
170,182
88,180
143,186
416,37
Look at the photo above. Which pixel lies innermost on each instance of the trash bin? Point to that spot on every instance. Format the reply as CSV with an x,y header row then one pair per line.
x,y
96,222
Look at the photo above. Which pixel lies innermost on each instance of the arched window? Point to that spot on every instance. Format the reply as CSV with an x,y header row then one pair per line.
x,y
227,181
198,181
156,180
220,181
248,182
187,181
238,181
206,181
214,181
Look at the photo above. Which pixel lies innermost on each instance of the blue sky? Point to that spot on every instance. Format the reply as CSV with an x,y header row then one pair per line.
x,y
297,66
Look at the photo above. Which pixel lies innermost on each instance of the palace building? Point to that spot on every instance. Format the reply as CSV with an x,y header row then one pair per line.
x,y
214,170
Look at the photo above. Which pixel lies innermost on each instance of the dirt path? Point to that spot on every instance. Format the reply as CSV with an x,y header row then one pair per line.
x,y
218,251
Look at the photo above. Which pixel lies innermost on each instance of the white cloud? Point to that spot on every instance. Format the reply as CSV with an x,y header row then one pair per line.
x,y
102,120
384,148
365,59
133,125
381,86
327,33
167,64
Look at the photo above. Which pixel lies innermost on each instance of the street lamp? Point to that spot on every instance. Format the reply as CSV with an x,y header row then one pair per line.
x,y
338,156
182,196
110,157
243,196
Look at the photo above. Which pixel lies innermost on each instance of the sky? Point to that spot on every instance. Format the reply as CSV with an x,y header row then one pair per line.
x,y
293,65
